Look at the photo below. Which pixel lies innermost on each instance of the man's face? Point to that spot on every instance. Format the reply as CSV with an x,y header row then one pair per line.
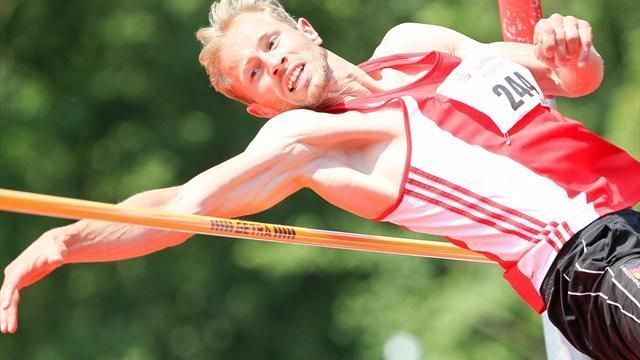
x,y
278,67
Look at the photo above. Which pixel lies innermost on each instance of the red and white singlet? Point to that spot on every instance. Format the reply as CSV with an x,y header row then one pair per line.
x,y
492,168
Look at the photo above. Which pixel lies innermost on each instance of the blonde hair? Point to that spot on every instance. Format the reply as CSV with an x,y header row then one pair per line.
x,y
221,15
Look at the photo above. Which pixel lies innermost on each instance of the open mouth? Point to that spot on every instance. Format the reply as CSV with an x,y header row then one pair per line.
x,y
295,77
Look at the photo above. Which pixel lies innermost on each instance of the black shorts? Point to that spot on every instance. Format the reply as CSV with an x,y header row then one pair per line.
x,y
592,290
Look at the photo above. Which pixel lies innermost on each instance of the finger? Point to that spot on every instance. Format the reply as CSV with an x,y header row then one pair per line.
x,y
544,42
6,318
12,313
9,314
560,53
537,43
539,53
586,39
572,37
28,268
548,41
6,290
11,279
3,321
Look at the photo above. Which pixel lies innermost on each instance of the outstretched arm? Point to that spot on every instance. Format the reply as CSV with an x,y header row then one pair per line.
x,y
253,181
562,58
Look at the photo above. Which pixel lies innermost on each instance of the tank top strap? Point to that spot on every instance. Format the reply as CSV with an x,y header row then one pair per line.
x,y
396,61
430,60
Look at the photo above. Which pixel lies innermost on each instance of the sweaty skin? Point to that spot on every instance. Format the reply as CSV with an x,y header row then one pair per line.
x,y
353,160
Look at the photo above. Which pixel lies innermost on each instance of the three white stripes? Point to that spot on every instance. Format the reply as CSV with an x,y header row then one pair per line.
x,y
477,208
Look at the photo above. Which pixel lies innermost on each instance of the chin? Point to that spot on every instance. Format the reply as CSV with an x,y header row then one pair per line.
x,y
318,88
317,93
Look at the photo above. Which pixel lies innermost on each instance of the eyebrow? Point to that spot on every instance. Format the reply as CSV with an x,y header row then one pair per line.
x,y
260,40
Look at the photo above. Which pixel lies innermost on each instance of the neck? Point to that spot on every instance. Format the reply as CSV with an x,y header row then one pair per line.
x,y
347,81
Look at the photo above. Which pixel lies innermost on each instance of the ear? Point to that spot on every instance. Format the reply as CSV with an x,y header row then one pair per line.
x,y
261,111
305,26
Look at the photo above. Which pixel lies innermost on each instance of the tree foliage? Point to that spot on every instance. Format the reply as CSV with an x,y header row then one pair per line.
x,y
103,99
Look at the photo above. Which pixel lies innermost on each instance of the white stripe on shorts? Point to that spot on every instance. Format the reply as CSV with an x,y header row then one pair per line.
x,y
608,301
588,271
635,301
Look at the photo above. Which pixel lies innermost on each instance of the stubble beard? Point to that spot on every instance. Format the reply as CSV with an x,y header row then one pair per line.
x,y
319,86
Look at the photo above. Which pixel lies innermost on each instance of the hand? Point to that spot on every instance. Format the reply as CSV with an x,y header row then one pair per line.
x,y
562,41
37,261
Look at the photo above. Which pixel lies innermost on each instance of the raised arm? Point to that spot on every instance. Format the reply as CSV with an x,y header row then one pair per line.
x,y
253,181
562,58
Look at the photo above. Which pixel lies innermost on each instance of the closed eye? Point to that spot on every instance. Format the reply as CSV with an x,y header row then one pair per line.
x,y
254,72
272,43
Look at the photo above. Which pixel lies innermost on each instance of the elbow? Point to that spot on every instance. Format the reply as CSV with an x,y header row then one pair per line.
x,y
595,80
187,202
584,80
586,86
596,64
590,84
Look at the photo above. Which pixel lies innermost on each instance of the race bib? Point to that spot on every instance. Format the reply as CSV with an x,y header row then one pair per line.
x,y
503,90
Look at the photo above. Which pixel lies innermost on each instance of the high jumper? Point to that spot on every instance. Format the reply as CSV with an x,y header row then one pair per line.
x,y
437,133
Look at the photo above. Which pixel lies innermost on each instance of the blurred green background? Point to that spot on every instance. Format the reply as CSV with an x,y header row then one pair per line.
x,y
103,99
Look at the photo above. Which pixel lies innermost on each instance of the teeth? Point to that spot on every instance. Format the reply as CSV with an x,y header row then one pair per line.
x,y
294,77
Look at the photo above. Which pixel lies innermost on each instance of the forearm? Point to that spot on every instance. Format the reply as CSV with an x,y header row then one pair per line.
x,y
99,241
246,184
568,81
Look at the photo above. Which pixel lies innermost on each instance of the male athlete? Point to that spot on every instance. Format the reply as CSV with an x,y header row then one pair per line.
x,y
437,133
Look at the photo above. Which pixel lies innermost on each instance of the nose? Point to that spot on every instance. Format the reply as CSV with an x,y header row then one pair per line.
x,y
276,64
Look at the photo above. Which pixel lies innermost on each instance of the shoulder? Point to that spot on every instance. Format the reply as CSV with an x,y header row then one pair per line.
x,y
292,122
290,127
280,128
323,129
416,37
